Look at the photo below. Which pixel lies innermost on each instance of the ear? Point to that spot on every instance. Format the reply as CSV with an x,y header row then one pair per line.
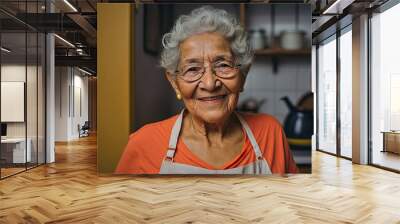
x,y
172,80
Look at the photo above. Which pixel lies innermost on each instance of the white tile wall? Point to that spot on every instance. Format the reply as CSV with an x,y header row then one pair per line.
x,y
293,79
260,76
269,105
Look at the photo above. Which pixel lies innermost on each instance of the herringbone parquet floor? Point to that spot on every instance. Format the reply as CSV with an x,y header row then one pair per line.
x,y
70,191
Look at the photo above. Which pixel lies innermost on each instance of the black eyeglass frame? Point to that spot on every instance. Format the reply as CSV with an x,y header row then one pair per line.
x,y
178,73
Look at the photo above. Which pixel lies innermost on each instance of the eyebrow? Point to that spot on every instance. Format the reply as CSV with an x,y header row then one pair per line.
x,y
216,58
222,57
192,60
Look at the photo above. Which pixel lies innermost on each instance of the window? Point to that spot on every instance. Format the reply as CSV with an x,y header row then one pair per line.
x,y
385,89
346,92
22,79
334,106
327,95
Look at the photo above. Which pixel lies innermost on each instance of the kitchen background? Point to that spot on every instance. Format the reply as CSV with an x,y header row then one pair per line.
x,y
281,37
275,72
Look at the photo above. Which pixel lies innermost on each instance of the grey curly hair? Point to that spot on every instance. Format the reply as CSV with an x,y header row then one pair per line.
x,y
206,19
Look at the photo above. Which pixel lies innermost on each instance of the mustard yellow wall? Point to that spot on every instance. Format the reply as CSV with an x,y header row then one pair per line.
x,y
114,58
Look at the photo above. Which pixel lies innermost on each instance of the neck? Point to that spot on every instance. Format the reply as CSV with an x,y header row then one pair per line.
x,y
212,131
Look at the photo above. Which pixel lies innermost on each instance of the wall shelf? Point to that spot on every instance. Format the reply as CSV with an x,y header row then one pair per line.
x,y
276,52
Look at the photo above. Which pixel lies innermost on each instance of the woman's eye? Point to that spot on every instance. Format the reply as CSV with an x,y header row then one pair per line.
x,y
192,71
224,65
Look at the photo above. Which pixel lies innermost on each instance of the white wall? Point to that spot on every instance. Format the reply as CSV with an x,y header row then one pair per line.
x,y
79,117
62,81
16,73
70,84
33,126
10,73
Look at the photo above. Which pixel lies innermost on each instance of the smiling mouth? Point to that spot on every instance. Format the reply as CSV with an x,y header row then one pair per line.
x,y
212,98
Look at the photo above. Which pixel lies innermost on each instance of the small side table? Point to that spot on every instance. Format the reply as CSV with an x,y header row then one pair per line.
x,y
391,141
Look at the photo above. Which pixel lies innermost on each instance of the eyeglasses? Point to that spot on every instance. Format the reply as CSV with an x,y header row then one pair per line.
x,y
194,71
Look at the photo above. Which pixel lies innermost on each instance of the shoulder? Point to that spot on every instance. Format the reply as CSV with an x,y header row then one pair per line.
x,y
265,127
261,122
152,137
271,138
156,129
146,148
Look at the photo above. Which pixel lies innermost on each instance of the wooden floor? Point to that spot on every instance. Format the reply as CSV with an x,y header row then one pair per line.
x,y
70,191
8,171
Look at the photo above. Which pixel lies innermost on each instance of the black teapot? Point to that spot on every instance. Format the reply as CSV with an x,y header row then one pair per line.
x,y
298,123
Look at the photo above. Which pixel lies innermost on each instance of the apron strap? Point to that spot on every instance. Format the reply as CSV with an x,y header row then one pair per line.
x,y
173,140
252,139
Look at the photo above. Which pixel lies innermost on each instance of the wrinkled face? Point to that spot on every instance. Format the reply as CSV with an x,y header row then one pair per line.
x,y
211,98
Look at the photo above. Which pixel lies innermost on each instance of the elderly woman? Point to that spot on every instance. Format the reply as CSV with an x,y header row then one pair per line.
x,y
206,57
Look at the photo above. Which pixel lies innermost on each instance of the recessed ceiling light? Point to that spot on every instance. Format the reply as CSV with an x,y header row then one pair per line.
x,y
65,41
338,6
70,5
84,71
5,50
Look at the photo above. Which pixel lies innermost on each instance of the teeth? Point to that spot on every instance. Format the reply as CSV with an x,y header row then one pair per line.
x,y
212,97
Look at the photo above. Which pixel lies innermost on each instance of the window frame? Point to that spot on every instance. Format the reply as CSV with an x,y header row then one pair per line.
x,y
347,27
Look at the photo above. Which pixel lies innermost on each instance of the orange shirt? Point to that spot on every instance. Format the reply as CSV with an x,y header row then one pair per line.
x,y
147,147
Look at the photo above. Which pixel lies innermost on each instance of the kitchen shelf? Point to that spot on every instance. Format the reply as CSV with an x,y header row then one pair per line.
x,y
276,51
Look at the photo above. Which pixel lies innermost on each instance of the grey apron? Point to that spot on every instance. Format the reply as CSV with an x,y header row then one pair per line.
x,y
260,166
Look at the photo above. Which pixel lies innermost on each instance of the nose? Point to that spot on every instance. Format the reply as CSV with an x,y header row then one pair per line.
x,y
209,81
